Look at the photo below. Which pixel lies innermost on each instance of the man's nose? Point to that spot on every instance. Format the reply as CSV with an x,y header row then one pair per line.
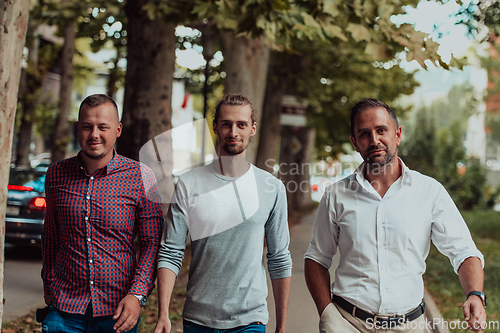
x,y
232,132
95,132
374,139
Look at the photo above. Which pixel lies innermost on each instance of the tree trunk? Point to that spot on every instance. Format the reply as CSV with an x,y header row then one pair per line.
x,y
270,122
32,82
295,164
60,138
114,72
147,108
303,198
13,25
246,62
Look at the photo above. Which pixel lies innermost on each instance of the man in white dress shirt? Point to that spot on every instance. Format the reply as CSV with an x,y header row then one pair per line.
x,y
382,220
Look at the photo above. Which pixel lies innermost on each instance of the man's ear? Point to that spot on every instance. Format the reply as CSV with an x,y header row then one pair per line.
x,y
254,129
353,140
398,135
214,127
119,130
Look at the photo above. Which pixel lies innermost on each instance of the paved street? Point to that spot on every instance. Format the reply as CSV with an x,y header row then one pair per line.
x,y
302,315
23,289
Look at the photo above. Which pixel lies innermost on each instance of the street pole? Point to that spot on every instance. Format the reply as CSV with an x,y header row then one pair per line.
x,y
207,41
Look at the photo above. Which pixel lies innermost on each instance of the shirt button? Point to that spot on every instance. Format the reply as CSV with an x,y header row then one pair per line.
x,y
92,178
88,197
86,218
90,261
88,239
91,282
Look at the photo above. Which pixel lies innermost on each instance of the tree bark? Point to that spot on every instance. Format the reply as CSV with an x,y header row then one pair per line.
x,y
297,144
246,62
114,73
13,26
270,122
60,138
147,109
32,83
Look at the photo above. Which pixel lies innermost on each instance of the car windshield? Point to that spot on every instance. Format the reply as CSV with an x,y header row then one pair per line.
x,y
29,178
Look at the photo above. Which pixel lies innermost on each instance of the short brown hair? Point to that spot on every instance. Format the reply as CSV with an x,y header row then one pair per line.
x,y
234,99
96,100
370,103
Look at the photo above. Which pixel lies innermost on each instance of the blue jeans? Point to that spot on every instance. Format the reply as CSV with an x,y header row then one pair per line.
x,y
190,327
63,322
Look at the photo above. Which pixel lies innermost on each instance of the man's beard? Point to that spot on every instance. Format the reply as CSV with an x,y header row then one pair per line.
x,y
387,159
234,150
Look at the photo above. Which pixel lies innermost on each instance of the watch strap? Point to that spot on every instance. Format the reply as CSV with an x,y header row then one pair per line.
x,y
142,299
480,294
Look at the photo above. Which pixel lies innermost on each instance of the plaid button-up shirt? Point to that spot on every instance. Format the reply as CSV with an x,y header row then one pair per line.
x,y
88,238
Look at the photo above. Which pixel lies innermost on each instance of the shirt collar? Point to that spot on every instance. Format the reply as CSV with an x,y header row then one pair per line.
x,y
112,165
359,174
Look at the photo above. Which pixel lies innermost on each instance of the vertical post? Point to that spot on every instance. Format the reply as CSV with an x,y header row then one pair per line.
x,y
207,41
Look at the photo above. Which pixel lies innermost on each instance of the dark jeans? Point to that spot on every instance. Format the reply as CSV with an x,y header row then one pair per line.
x,y
190,327
63,322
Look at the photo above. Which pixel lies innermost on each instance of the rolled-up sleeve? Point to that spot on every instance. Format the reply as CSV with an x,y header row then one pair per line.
x,y
450,233
175,230
324,237
279,260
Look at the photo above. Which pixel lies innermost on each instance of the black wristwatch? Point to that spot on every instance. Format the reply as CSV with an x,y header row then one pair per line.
x,y
480,294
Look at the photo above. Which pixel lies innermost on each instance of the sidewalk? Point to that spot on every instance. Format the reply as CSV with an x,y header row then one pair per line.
x,y
302,315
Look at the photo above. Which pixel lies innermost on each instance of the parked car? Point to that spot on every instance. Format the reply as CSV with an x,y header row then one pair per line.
x,y
25,206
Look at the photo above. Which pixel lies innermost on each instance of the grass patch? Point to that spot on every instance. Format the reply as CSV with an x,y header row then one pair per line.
x,y
444,284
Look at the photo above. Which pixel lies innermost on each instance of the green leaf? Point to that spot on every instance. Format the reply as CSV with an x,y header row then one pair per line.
x,y
150,8
334,31
281,4
385,11
310,21
458,63
201,9
330,7
378,51
359,32
417,55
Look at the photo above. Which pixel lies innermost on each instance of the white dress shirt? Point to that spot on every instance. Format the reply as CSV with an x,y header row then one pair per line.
x,y
384,241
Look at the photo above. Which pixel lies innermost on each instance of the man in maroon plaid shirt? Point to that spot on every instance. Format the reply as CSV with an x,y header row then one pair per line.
x,y
97,202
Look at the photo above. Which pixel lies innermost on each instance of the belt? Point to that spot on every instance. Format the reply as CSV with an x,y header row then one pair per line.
x,y
386,321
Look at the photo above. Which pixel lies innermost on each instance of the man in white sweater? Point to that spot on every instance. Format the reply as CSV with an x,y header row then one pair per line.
x,y
228,207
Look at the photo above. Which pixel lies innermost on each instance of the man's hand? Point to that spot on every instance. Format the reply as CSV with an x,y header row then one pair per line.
x,y
126,314
163,325
474,313
48,298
